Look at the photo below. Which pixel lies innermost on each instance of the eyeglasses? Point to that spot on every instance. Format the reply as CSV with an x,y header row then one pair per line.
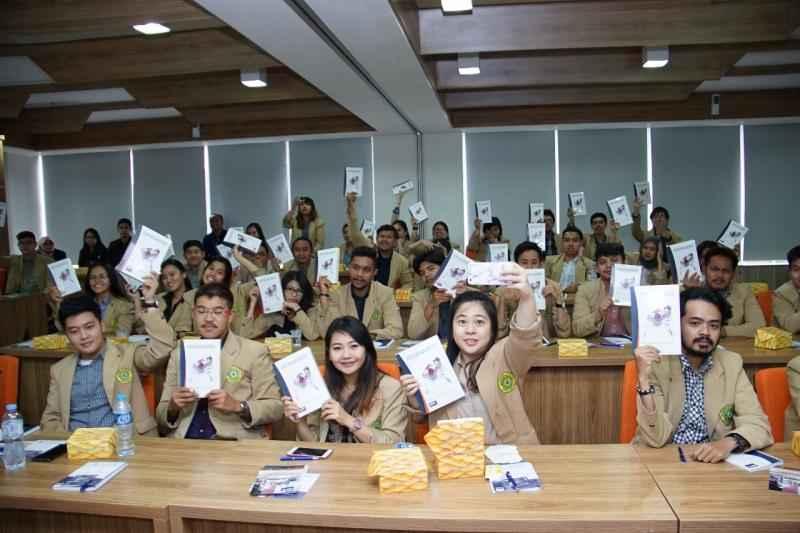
x,y
217,312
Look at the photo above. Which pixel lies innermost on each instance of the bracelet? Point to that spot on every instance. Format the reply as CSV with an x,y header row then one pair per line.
x,y
651,390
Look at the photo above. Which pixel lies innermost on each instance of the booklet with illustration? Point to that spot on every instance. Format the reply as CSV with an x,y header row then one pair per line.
x,y
620,211
283,481
537,281
732,235
236,237
514,477
452,271
537,234
328,264
227,252
144,256
536,213
656,318
577,202
280,248
91,476
418,212
754,460
406,186
64,277
498,252
641,192
683,258
353,179
201,365
487,274
623,278
367,228
299,378
269,285
483,210
428,363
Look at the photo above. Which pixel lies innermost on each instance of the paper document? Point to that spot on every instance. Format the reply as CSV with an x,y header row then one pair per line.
x,y
299,378
536,214
656,318
623,279
406,186
641,192
145,255
428,363
353,179
328,264
271,291
537,281
201,365
487,273
280,248
227,252
452,271
537,234
620,211
91,476
498,252
64,277
234,237
684,259
732,235
418,211
577,201
483,210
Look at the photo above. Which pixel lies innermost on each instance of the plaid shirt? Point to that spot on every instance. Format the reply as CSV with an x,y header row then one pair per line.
x,y
693,427
88,405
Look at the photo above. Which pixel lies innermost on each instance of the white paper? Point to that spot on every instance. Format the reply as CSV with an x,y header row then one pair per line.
x,y
620,211
227,252
428,363
145,256
417,211
537,234
234,237
3,211
732,234
64,277
328,264
487,273
367,228
684,255
641,191
536,213
483,209
202,365
280,248
503,454
537,281
658,318
353,179
754,461
452,271
498,252
407,185
623,278
271,291
577,201
101,471
171,249
305,385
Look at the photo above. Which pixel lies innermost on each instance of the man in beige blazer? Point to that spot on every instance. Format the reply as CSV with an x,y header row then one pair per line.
x,y
569,269
371,302
702,398
660,219
601,232
793,411
595,313
27,273
248,398
786,304
101,369
305,260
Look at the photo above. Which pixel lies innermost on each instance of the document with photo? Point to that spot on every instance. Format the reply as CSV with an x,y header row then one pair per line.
x,y
406,186
64,277
483,210
577,201
428,363
236,237
536,214
641,191
537,234
486,273
684,259
328,264
299,378
144,256
452,271
367,228
656,318
353,180
271,291
91,476
732,234
537,281
418,211
620,212
623,279
280,248
201,365
498,252
227,252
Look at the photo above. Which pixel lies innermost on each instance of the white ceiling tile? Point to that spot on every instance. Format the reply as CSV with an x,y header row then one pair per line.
x,y
21,70
778,57
87,97
138,113
750,83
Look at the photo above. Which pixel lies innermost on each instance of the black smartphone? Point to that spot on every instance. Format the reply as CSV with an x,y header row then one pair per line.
x,y
322,453
49,455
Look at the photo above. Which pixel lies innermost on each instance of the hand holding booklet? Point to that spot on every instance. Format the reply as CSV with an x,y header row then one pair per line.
x,y
452,271
280,248
271,291
144,256
537,234
656,318
577,202
227,252
64,277
623,279
418,212
620,212
201,365
683,258
328,264
430,366
483,210
538,281
536,214
235,237
732,235
299,378
353,179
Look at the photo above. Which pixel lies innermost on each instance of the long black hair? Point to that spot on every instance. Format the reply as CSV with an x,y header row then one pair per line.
x,y
301,223
368,375
228,269
453,350
114,284
307,301
99,248
259,231
187,284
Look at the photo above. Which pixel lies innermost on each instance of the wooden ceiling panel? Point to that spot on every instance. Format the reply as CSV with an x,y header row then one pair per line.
x,y
12,101
55,120
264,111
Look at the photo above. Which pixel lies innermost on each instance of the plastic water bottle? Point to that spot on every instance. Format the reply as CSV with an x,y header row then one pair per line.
x,y
13,439
123,421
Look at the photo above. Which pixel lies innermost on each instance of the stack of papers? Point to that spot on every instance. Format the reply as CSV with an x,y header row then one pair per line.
x,y
501,454
91,476
286,481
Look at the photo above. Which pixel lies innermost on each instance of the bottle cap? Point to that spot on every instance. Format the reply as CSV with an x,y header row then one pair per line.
x,y
122,397
11,407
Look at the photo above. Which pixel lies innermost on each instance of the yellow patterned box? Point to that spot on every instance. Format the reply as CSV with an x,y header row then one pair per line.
x,y
92,443
796,443
458,446
573,348
279,345
55,341
399,470
770,338
402,295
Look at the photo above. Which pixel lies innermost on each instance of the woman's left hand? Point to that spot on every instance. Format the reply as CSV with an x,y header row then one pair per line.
x,y
332,410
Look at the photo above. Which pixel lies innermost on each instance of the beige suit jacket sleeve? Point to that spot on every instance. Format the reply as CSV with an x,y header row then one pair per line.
x,y
785,315
265,401
250,328
318,236
51,416
14,281
332,307
162,341
354,229
586,320
753,317
170,384
392,320
394,416
793,376
309,323
406,278
749,419
522,346
418,327
654,428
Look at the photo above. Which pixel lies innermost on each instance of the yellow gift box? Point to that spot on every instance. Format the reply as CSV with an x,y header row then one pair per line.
x,y
573,348
55,341
399,470
279,345
402,295
458,446
770,338
92,443
796,443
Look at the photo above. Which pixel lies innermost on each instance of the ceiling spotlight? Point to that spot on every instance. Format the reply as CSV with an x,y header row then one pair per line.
x,y
655,56
456,6
253,78
151,28
468,64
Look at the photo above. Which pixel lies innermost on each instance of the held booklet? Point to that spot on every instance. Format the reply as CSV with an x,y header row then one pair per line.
x,y
623,278
367,228
498,252
271,291
201,365
537,281
620,212
754,461
64,277
537,234
536,214
406,186
227,252
428,363
486,273
353,180
452,271
418,212
328,264
144,256
483,210
732,234
577,202
683,258
280,248
235,237
641,192
656,318
299,378
91,476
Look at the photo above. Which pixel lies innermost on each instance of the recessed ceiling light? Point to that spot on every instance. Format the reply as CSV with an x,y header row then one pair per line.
x,y
456,6
151,28
468,64
655,56
253,78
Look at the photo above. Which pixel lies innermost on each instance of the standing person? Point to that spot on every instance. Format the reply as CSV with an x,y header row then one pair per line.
x,y
660,219
93,250
27,273
479,240
194,257
215,237
304,221
48,249
116,249
787,296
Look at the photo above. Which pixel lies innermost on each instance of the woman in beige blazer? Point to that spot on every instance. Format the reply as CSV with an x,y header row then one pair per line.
x,y
177,308
304,221
298,312
479,241
793,411
366,405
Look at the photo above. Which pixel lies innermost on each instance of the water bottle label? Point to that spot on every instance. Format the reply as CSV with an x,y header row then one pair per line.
x,y
123,419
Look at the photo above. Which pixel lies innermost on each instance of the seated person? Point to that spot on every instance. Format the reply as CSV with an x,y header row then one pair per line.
x,y
430,307
595,313
194,257
703,397
299,311
479,241
660,219
177,300
601,232
371,302
366,405
551,238
47,248
491,371
249,397
305,260
117,248
84,384
786,306
570,269
793,410
654,270
27,273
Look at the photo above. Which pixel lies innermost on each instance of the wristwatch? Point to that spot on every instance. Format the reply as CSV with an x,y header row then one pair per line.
x,y
357,424
742,443
149,305
650,390
244,414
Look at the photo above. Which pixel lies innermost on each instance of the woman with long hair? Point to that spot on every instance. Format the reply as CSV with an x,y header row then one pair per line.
x,y
304,221
177,310
299,311
479,241
366,405
93,250
654,270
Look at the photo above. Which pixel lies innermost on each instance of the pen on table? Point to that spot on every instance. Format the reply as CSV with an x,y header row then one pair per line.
x,y
510,479
681,456
610,345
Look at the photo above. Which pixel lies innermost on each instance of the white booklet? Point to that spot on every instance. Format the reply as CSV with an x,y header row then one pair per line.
x,y
577,201
418,211
452,271
536,214
367,228
684,259
201,365
537,234
498,252
620,211
271,291
227,252
144,256
641,192
328,264
483,210
236,237
754,461
353,180
486,273
537,281
91,476
64,277
428,363
623,279
656,318
732,234
407,185
299,378
280,248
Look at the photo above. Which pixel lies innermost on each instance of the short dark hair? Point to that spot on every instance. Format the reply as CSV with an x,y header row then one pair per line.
x,y
124,221
724,252
527,246
304,239
598,215
25,235
549,213
609,249
443,224
215,290
364,251
495,222
703,247
78,303
793,255
434,255
192,243
707,295
572,229
659,209
389,227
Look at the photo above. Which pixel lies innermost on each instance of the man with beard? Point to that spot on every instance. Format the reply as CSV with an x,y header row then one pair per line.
x,y
701,398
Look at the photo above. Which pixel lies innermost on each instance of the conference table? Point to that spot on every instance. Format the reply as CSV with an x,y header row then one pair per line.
x,y
568,400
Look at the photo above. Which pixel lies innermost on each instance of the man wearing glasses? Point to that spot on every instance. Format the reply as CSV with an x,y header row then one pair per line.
x,y
248,398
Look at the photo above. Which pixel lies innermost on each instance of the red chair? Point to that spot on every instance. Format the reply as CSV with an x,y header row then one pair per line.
x,y
772,388
149,387
9,381
627,426
764,299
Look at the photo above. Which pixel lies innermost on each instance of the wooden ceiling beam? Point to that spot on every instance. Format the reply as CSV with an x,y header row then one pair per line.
x,y
568,25
264,111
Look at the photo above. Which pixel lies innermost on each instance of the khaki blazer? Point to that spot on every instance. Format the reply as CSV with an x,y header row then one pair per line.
x,y
511,357
726,387
651,277
400,276
481,249
15,279
554,265
120,316
118,358
310,271
793,411
181,318
386,418
418,327
507,301
590,243
254,382
586,318
316,230
747,314
381,314
639,234
307,321
786,307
